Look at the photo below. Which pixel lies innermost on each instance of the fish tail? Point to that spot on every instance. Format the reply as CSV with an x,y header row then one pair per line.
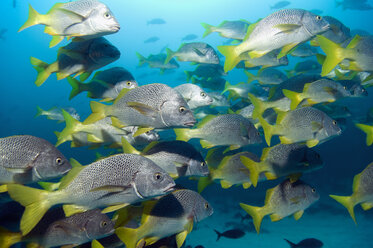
x,y
268,130
253,167
348,202
182,134
39,112
8,238
33,18
128,236
369,132
334,54
259,106
188,75
292,245
141,58
96,244
44,70
217,233
294,97
170,55
128,148
71,128
226,87
250,77
76,85
232,58
36,202
208,29
203,182
56,39
255,213
98,112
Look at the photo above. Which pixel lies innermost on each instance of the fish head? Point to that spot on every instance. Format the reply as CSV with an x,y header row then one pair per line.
x,y
331,127
152,181
102,52
312,159
310,193
358,91
197,166
202,208
314,24
253,135
50,163
103,21
199,98
126,84
212,57
176,113
283,60
97,224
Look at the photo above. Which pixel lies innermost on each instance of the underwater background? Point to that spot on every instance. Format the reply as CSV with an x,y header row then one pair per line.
x,y
344,156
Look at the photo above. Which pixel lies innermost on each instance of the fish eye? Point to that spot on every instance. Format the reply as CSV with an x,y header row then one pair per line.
x,y
129,83
107,15
157,176
313,190
363,90
103,223
147,132
182,109
203,164
319,18
59,161
344,87
203,94
207,205
334,122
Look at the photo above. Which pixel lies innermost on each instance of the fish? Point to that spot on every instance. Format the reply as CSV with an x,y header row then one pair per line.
x,y
230,129
105,84
306,66
55,229
356,56
354,5
240,90
55,113
174,213
283,29
306,243
194,95
189,37
334,110
304,50
283,200
79,58
151,39
362,192
230,170
26,159
305,124
2,32
368,130
152,106
218,100
157,61
323,90
231,234
228,29
112,182
267,60
198,52
283,160
267,76
177,158
86,19
354,87
280,5
201,113
156,21
212,83
338,32
206,71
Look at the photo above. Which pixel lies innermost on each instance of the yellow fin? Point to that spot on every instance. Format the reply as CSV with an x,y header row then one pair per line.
x,y
94,139
298,215
334,54
275,217
368,130
75,163
232,58
205,120
353,43
170,55
122,93
295,177
96,244
246,185
203,182
66,180
367,205
183,134
270,176
285,140
143,109
3,188
128,236
250,29
311,143
225,184
269,130
142,131
128,148
348,202
253,167
49,186
73,209
206,144
115,122
294,97
180,238
259,106
257,54
287,49
269,194
33,18
255,213
287,28
114,208
208,29
8,238
55,40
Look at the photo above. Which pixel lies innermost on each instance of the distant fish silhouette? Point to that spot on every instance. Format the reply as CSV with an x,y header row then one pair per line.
x,y
306,243
231,234
2,32
156,21
280,5
14,3
190,37
151,39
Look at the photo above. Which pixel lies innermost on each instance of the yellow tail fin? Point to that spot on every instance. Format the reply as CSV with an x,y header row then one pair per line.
x,y
170,55
128,236
76,85
8,238
294,97
347,202
128,148
72,126
255,213
250,77
98,112
33,18
259,106
232,58
253,167
203,182
334,54
268,129
182,134
35,201
39,111
44,70
369,132
208,29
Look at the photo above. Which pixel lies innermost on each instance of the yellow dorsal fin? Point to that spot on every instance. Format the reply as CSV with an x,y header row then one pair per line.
x,y
142,131
280,116
265,152
123,92
75,163
128,148
250,30
269,195
353,43
66,180
73,209
150,146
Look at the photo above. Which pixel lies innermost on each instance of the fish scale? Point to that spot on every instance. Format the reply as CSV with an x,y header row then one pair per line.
x,y
82,7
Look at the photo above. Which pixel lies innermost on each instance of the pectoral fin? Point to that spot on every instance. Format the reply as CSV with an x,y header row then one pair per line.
x,y
110,188
114,208
298,214
287,28
180,238
143,109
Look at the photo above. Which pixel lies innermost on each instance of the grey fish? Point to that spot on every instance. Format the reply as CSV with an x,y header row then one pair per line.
x,y
156,21
338,32
304,50
228,29
306,243
268,60
78,58
334,110
27,159
55,113
280,5
354,87
194,95
231,234
157,61
307,66
194,52
152,105
206,71
115,181
267,76
104,84
151,39
177,158
219,100
215,83
354,5
189,37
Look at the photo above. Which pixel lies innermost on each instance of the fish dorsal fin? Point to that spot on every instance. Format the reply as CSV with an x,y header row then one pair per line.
x,y
265,152
280,116
49,186
150,146
250,30
114,208
209,155
353,43
75,163
143,109
123,92
269,194
142,130
205,120
128,148
73,209
66,180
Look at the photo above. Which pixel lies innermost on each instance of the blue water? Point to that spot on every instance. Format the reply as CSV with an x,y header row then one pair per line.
x,y
344,156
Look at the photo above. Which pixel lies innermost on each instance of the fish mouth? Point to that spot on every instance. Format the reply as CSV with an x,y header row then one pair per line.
x,y
115,28
190,124
170,188
326,27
